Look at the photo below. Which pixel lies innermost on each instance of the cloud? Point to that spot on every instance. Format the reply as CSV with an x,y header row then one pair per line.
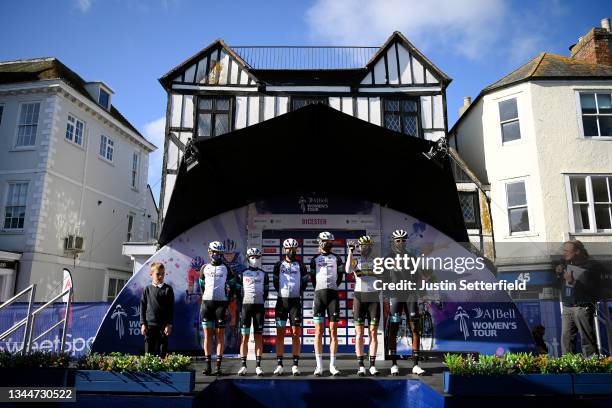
x,y
154,132
83,5
475,29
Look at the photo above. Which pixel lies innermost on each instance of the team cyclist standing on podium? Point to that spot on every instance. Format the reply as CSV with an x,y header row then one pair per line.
x,y
290,278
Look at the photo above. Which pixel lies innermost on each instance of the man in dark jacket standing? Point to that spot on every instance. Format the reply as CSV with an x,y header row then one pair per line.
x,y
157,312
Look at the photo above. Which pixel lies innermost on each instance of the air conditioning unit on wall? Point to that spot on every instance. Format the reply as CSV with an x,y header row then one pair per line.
x,y
73,243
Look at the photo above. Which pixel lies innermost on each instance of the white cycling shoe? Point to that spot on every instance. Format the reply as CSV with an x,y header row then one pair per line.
x,y
318,371
259,371
279,370
394,370
361,372
295,371
417,370
242,371
333,370
374,371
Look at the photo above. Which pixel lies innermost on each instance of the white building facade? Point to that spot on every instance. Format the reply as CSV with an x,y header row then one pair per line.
x,y
541,138
73,182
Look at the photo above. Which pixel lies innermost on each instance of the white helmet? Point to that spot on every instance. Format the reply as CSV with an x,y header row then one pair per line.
x,y
216,246
365,240
290,243
253,252
326,236
399,234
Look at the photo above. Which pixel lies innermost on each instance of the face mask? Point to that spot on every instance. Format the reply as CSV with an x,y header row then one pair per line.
x,y
366,250
254,262
399,246
291,255
216,258
326,246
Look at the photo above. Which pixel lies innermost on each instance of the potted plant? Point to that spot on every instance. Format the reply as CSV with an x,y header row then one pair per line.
x,y
35,369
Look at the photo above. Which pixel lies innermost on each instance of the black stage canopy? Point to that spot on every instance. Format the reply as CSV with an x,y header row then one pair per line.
x,y
315,149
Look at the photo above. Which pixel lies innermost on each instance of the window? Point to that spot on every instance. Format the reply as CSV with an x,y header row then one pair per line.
x,y
591,203
107,147
213,116
153,231
103,98
459,173
401,115
114,287
516,200
596,109
300,102
470,209
135,170
508,118
129,227
74,130
28,124
15,208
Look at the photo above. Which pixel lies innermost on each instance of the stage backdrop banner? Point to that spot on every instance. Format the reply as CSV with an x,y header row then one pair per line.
x,y
83,321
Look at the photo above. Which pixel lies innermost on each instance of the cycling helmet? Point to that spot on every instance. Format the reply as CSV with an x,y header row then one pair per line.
x,y
216,246
290,243
399,234
197,262
253,252
365,240
326,236
230,245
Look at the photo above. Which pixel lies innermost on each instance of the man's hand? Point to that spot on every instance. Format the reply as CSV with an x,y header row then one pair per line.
x,y
569,277
143,329
168,329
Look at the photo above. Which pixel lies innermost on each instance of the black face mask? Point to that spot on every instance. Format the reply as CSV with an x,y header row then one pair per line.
x,y
326,246
291,255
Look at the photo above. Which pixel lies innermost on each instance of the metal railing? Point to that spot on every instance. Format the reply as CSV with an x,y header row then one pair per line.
x,y
30,318
305,57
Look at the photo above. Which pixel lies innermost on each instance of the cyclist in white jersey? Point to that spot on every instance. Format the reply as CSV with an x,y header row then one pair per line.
x,y
290,278
252,284
217,282
326,270
366,301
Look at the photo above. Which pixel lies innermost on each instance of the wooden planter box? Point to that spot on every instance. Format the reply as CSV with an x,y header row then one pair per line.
x,y
593,383
34,377
514,384
167,382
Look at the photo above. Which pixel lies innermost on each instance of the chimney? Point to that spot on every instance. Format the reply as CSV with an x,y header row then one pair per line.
x,y
467,101
595,47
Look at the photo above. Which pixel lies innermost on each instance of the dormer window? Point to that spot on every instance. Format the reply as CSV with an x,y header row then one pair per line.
x,y
104,98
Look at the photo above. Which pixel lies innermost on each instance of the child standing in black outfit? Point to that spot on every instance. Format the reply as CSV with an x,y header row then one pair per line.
x,y
157,312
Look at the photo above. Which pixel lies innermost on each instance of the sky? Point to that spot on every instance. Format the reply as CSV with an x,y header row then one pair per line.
x,y
129,44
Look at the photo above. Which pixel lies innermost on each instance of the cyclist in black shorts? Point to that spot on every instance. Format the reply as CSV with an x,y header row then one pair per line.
x,y
366,301
290,278
253,288
326,270
217,282
397,306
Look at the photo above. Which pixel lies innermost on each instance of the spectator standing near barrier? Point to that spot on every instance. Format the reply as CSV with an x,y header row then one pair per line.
x,y
157,312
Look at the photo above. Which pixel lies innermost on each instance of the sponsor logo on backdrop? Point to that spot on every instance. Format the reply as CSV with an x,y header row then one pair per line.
x,y
120,316
485,322
311,204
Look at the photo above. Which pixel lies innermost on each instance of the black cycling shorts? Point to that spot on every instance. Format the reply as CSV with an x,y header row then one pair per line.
x,y
364,309
252,313
326,300
397,307
288,307
213,313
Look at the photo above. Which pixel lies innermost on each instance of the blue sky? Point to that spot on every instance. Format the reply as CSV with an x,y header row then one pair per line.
x,y
129,44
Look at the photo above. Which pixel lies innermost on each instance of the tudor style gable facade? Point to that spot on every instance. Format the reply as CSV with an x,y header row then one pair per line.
x,y
221,89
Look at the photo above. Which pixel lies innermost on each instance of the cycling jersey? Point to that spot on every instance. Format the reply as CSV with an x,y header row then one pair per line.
x,y
289,278
216,281
364,277
253,285
326,271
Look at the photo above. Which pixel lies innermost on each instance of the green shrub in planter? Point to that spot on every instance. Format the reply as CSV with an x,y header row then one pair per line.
x,y
37,359
133,363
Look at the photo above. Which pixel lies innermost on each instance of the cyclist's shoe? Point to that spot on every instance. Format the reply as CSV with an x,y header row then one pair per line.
x,y
207,371
279,370
333,370
394,370
318,371
417,370
373,370
242,371
361,372
218,372
295,371
259,371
